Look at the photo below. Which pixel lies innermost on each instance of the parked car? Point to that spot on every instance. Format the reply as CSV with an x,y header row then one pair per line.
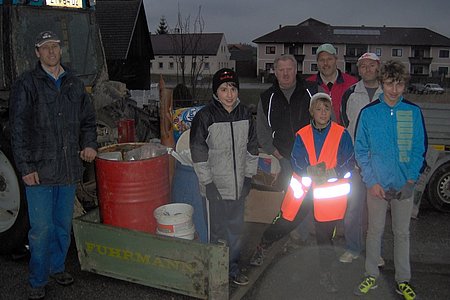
x,y
433,88
416,88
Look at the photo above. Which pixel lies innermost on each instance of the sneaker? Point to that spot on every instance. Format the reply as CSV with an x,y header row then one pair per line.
x,y
239,279
347,257
328,283
36,293
403,288
381,262
257,258
62,278
368,283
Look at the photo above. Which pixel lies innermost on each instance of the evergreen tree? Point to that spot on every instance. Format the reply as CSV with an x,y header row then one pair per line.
x,y
162,29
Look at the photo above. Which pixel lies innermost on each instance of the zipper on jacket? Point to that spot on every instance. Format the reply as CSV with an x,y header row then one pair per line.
x,y
234,160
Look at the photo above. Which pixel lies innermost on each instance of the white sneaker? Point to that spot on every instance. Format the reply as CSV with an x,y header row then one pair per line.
x,y
381,262
347,257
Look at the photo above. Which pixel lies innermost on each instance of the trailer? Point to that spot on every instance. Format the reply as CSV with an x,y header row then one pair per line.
x,y
434,183
177,265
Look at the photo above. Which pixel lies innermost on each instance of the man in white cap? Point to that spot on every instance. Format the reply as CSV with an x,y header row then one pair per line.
x,y
53,130
330,79
354,99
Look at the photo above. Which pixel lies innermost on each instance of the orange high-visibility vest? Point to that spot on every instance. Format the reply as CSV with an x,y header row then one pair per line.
x,y
330,199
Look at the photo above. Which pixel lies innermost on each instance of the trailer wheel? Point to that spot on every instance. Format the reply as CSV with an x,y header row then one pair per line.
x,y
14,223
439,188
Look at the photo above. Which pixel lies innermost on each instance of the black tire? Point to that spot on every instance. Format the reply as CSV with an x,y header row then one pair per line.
x,y
14,224
439,188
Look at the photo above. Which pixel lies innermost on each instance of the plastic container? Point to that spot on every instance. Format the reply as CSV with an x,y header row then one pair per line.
x,y
175,220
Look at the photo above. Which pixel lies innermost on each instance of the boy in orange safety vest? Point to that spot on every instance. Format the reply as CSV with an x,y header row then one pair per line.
x,y
322,158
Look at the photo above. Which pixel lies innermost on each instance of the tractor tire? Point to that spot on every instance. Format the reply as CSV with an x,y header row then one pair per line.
x,y
14,224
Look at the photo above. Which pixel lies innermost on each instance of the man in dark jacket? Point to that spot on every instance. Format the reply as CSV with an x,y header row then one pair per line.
x,y
53,129
282,110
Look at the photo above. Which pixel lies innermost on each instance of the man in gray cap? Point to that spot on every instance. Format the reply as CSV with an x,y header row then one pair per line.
x,y
330,79
53,130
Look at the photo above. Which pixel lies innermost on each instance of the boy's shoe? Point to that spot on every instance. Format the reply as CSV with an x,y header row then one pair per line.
x,y
36,293
368,283
328,283
62,278
257,258
405,289
381,262
239,279
347,257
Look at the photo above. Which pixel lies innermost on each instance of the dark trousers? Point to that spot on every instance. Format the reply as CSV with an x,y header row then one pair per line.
x,y
227,224
324,232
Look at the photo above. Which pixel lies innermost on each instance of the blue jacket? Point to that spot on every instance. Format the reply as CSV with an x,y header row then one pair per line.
x,y
345,158
390,143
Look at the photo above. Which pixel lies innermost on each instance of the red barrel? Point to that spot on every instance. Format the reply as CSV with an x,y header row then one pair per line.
x,y
126,131
129,191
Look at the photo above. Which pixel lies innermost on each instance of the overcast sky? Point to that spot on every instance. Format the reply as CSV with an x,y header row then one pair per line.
x,y
246,20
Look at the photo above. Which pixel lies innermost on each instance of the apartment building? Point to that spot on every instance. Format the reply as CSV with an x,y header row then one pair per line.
x,y
425,52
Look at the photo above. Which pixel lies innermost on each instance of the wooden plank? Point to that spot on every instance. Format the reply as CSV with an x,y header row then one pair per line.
x,y
181,266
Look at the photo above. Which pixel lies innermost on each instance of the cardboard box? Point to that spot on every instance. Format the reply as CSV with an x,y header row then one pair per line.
x,y
262,206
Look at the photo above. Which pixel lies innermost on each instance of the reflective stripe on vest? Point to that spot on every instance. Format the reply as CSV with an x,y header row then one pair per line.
x,y
297,190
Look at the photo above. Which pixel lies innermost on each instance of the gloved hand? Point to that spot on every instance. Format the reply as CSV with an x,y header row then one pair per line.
x,y
212,193
316,171
246,187
407,190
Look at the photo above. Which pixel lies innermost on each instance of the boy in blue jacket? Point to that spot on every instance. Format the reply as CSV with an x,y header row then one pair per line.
x,y
390,146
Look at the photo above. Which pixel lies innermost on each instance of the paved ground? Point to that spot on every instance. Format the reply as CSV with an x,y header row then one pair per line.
x,y
290,275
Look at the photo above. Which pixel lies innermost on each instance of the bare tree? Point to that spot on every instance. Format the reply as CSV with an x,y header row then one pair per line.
x,y
189,44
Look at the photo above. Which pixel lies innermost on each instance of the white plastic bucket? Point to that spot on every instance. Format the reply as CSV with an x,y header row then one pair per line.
x,y
175,220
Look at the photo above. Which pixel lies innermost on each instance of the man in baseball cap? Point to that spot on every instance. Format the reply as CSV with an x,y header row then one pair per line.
x,y
354,99
330,79
45,37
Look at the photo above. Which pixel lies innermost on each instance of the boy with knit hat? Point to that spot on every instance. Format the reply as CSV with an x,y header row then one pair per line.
x,y
224,151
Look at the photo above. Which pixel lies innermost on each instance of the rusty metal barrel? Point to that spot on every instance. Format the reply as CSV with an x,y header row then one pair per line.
x,y
129,191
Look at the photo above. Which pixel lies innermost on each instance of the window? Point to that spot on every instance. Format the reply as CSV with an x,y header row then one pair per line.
x,y
314,50
206,66
378,52
270,49
171,65
397,52
443,70
160,65
314,68
444,53
269,66
417,69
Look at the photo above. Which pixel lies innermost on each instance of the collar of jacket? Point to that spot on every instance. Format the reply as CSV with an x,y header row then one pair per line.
x,y
382,100
313,124
339,79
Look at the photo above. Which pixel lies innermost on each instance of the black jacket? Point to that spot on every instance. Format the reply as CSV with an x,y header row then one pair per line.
x,y
286,118
50,126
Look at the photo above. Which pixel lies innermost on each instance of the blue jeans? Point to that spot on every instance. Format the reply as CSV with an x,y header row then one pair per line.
x,y
50,210
353,229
